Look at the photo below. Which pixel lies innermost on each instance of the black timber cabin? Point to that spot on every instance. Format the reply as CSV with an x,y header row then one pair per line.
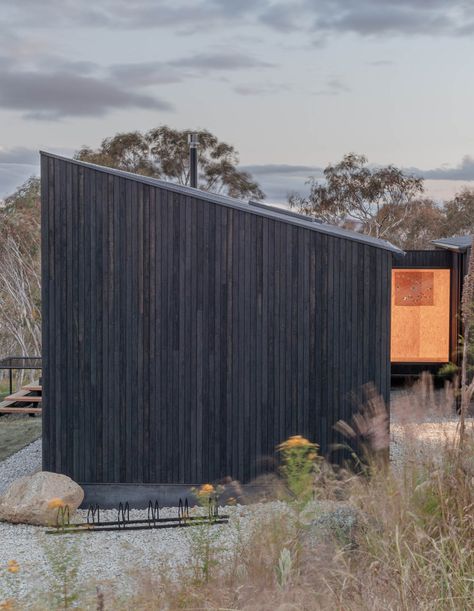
x,y
186,334
426,301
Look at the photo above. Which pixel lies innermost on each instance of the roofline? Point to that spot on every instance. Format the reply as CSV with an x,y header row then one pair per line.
x,y
231,202
452,247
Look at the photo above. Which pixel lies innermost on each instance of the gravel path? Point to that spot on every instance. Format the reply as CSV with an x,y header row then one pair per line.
x,y
24,462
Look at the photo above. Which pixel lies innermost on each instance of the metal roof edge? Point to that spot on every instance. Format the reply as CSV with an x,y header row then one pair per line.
x,y
448,246
225,200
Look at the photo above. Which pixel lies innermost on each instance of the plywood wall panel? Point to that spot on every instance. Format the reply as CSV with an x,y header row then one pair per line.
x,y
420,315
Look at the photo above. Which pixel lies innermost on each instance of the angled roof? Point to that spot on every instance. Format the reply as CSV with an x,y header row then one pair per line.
x,y
257,208
458,243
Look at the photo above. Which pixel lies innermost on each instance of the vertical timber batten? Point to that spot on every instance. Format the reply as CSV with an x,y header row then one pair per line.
x,y
184,339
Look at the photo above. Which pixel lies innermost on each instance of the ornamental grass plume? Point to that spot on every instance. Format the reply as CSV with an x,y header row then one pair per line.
x,y
369,431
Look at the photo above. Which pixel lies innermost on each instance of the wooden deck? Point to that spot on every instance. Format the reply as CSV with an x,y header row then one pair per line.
x,y
25,401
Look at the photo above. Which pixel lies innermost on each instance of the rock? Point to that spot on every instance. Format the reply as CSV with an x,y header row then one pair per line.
x,y
35,499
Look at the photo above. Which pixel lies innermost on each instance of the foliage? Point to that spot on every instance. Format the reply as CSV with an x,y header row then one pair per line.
x,y
203,539
299,457
425,222
62,555
459,214
163,152
467,318
379,199
20,275
284,568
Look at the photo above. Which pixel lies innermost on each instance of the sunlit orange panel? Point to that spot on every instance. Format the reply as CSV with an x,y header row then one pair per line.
x,y
420,315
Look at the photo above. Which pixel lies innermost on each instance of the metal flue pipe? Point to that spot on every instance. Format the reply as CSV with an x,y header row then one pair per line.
x,y
193,160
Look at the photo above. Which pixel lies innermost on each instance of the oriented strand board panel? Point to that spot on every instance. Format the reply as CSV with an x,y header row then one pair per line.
x,y
420,315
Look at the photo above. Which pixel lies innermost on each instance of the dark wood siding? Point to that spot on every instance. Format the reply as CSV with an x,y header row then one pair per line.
x,y
425,258
184,339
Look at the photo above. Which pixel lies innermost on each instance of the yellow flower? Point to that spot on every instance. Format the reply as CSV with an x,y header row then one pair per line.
x,y
56,503
206,489
296,441
13,566
312,456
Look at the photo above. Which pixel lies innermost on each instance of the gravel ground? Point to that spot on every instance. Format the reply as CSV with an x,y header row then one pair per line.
x,y
421,420
24,462
417,439
115,559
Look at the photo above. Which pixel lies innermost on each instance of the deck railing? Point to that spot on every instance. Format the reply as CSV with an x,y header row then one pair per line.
x,y
19,363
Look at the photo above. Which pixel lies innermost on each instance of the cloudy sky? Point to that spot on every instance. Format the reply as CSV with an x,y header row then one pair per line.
x,y
293,85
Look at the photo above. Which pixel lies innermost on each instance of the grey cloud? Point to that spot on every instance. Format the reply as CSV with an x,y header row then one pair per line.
x,y
282,17
16,165
406,17
11,176
19,156
283,169
280,180
175,71
19,163
54,95
318,17
189,15
371,17
57,87
220,61
146,73
260,89
463,171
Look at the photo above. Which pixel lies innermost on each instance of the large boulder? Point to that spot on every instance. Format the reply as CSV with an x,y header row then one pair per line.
x,y
35,499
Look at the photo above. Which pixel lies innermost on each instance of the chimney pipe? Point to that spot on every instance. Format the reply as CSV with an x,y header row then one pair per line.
x,y
193,159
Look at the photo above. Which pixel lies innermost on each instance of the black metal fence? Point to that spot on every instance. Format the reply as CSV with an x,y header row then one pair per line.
x,y
19,363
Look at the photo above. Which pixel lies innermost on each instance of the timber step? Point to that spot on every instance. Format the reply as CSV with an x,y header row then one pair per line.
x,y
33,387
19,410
25,401
23,397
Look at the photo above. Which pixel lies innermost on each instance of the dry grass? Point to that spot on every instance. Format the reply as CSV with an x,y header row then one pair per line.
x,y
16,432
